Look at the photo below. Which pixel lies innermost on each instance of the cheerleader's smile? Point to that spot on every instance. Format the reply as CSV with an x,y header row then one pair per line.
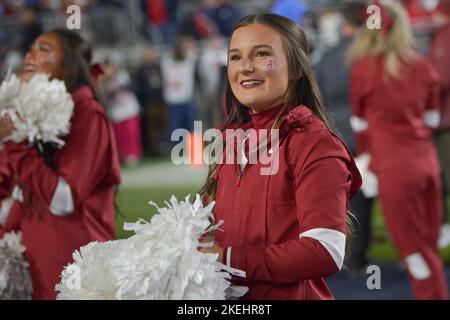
x,y
251,83
44,56
30,68
257,67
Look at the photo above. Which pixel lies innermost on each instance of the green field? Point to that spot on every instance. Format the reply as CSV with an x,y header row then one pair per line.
x,y
132,204
382,248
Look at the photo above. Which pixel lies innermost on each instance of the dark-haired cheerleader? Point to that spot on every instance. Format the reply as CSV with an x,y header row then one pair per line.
x,y
66,196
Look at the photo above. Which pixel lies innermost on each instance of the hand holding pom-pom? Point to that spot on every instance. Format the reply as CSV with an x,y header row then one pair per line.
x,y
161,261
214,249
6,126
40,109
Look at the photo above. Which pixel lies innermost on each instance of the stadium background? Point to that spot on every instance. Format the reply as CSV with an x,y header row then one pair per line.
x,y
121,31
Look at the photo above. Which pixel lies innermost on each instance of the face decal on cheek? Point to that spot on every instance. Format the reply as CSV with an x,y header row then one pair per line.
x,y
269,65
49,59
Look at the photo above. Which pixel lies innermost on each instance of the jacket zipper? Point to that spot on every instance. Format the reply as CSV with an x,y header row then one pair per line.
x,y
242,168
239,176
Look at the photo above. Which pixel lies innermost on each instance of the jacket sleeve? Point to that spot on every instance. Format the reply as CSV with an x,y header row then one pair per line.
x,y
6,176
433,83
13,220
432,113
9,218
358,121
322,182
82,163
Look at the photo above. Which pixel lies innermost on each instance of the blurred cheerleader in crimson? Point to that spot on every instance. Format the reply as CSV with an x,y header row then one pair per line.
x,y
287,229
439,54
64,198
394,101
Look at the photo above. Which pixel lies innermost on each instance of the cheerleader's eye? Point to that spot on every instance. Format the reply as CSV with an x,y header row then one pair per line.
x,y
44,48
234,57
262,53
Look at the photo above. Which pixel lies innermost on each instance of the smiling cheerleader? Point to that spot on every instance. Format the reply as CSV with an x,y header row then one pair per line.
x,y
286,229
64,196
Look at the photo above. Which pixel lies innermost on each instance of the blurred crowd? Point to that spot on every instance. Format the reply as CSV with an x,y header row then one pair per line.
x,y
180,75
180,71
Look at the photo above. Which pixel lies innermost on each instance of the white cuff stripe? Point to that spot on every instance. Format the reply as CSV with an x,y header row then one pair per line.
x,y
5,209
358,124
17,194
62,201
332,240
432,118
228,257
417,266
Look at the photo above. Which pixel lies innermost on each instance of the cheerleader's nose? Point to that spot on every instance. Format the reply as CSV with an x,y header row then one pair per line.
x,y
246,66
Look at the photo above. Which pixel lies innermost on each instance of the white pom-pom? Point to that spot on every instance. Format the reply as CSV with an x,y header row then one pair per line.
x,y
15,279
41,109
9,90
161,261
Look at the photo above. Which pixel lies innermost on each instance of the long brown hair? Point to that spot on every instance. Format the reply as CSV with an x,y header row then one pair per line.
x,y
302,85
302,88
77,56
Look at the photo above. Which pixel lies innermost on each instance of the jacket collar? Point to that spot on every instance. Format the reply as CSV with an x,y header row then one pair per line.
x,y
297,117
264,119
82,93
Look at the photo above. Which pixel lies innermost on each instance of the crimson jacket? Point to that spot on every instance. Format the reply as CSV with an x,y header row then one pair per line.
x,y
394,111
5,176
89,164
439,54
286,231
